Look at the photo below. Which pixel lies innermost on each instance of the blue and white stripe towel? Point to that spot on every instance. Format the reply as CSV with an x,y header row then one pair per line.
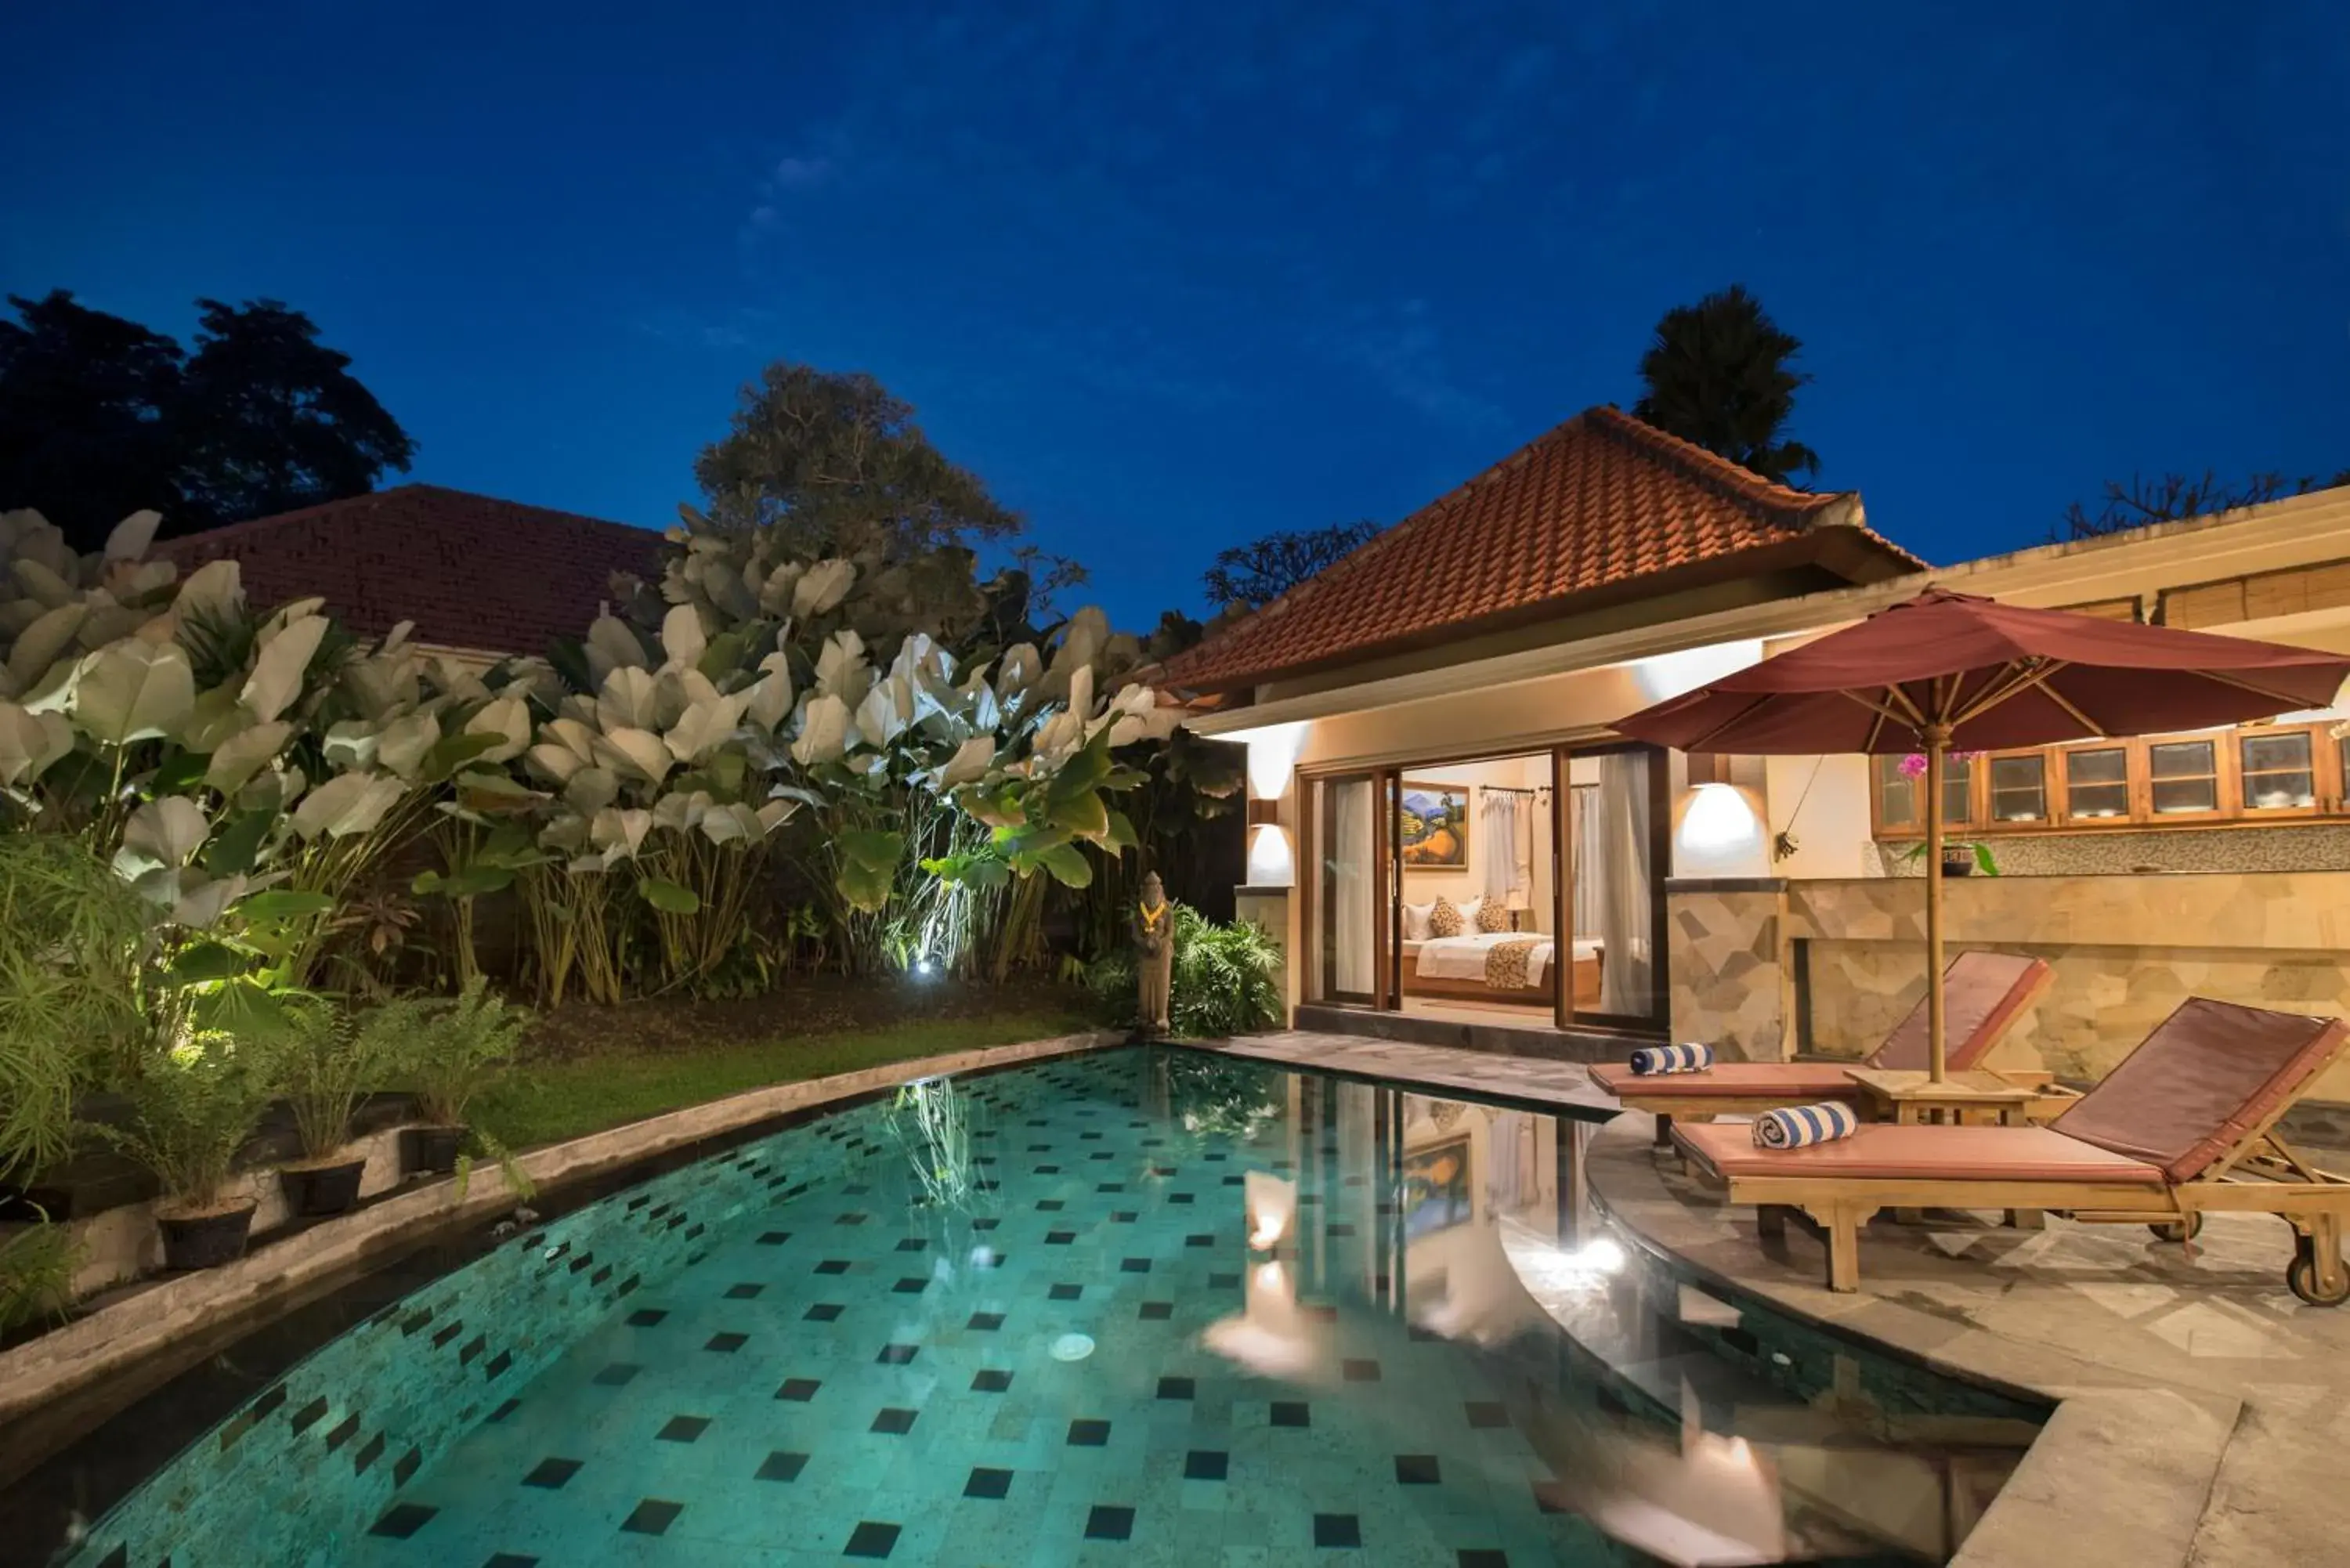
x,y
1652,1060
1792,1127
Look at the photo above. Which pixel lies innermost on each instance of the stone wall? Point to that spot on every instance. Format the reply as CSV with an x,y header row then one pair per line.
x,y
1728,984
2303,847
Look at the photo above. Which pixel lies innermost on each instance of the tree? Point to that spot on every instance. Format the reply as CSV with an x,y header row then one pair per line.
x,y
838,467
1261,571
100,417
272,420
2172,496
1717,374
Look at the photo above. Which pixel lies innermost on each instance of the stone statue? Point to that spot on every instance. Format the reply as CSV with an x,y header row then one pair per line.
x,y
1154,955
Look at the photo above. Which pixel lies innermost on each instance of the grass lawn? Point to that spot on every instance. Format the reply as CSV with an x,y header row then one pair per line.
x,y
547,1101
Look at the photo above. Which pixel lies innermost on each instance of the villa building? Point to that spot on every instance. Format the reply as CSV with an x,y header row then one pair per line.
x,y
1437,798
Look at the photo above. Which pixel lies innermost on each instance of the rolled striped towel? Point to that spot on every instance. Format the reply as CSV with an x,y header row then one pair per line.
x,y
1652,1060
1792,1127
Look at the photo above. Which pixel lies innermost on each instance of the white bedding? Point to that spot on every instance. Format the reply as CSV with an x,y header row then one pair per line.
x,y
1463,957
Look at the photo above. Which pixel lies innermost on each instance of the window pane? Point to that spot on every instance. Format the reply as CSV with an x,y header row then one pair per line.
x,y
1958,796
2097,782
2185,775
2018,789
1897,797
2277,773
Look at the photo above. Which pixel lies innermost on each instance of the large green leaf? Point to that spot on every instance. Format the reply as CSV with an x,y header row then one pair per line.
x,y
1084,816
865,887
134,690
285,904
1067,865
345,806
871,848
277,670
668,897
236,847
447,755
1121,834
208,961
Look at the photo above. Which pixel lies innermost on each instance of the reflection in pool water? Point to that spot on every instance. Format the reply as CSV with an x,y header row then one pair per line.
x,y
1149,1306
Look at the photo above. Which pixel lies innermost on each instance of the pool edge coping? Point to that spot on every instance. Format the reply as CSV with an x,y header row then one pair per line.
x,y
67,1360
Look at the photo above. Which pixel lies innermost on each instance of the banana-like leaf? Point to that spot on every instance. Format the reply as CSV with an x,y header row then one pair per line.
x,y
682,637
865,888
507,720
351,803
824,731
1067,865
634,753
668,897
236,846
821,588
167,831
285,904
445,756
134,691
1084,815
43,583
871,847
556,764
404,745
1121,835
630,699
591,789
278,668
245,754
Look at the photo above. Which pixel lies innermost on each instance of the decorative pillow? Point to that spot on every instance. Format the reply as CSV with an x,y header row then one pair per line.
x,y
1492,916
1444,920
1469,908
1415,920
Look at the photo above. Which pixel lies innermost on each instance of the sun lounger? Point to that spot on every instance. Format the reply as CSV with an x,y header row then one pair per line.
x,y
2184,1125
1983,994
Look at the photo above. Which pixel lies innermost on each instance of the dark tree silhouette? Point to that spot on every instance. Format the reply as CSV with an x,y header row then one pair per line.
x,y
1261,570
100,417
1718,374
2121,507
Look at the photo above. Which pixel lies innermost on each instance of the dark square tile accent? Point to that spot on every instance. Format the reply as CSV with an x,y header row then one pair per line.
x,y
684,1429
1485,1414
851,1218
1200,1240
1482,1557
1338,1529
1135,1266
988,1224
985,1322
402,1520
442,1339
1176,1388
1292,1413
1206,1464
1235,1181
309,1415
726,1343
1340,1230
897,1355
775,1237
551,1474
1109,1522
473,1347
268,1402
857,1190
343,1432
1048,1170
799,1390
499,1365
913,1244
1157,1311
1110,1187
1101,1154
406,1466
1223,1282
992,1258
370,1451
1067,1293
1049,1206
619,1374
988,1483
415,1320
910,1287
1360,1371
647,1317
991,1382
782,1466
1085,1433
1417,1469
746,1290
509,1560
833,1266
823,1311
1182,1198
1040,1148
118,1558
1417,1333
871,1539
1550,1496
1125,1217
895,1420
653,1515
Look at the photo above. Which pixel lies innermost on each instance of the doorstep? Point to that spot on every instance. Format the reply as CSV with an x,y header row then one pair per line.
x,y
1543,1041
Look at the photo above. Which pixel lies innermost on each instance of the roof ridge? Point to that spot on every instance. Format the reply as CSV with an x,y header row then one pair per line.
x,y
1706,466
369,499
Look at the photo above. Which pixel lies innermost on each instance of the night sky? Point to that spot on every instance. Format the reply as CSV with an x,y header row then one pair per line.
x,y
1168,280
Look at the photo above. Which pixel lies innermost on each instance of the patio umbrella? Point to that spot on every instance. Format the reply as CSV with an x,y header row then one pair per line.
x,y
1948,671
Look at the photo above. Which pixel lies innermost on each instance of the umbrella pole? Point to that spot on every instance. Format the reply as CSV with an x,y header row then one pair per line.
x,y
1938,739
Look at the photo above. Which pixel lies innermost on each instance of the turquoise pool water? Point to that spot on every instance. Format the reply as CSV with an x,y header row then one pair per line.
x,y
1147,1307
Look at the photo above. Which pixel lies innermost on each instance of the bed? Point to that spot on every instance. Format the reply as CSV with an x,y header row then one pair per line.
x,y
1456,967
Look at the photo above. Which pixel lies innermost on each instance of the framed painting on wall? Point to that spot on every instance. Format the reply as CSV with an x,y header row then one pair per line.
x,y
1436,1188
1434,822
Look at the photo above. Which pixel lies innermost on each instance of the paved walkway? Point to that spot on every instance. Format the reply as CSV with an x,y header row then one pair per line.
x,y
1534,1079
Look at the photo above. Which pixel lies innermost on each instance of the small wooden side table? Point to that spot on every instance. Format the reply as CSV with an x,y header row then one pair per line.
x,y
1961,1099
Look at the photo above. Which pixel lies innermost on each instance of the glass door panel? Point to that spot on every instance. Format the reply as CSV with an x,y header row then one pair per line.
x,y
1347,894
1618,826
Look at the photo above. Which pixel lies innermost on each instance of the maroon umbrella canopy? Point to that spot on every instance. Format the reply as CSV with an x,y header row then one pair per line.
x,y
1999,675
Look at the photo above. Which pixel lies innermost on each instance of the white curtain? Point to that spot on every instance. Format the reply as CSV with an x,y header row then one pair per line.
x,y
1618,866
1354,844
1590,841
1506,848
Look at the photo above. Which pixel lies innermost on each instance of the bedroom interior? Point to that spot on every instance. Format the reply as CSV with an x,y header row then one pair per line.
x,y
1455,906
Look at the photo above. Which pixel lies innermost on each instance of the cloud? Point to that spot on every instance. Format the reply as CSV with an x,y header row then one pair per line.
x,y
804,172
1401,350
734,328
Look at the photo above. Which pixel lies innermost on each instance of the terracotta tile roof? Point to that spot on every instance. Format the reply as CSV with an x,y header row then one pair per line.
x,y
1601,503
471,572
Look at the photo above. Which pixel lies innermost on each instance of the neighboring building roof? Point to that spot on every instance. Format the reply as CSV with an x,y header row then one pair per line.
x,y
1602,508
473,573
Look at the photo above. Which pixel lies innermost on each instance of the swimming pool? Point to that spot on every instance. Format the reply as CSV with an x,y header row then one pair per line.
x,y
1148,1306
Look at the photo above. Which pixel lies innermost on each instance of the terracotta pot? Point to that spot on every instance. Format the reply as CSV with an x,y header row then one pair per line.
x,y
322,1188
431,1151
206,1238
1958,864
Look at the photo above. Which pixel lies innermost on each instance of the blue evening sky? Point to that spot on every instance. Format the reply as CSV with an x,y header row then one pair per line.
x,y
1171,276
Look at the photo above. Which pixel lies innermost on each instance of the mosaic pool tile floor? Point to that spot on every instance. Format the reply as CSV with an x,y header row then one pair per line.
x,y
1063,1365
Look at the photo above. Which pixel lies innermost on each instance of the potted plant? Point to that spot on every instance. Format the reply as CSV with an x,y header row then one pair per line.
x,y
444,1050
191,1108
327,1066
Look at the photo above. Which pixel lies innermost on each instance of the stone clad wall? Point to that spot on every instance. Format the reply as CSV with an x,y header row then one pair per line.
x,y
1728,984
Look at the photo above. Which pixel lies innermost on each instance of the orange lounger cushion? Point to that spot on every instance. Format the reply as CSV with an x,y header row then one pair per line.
x,y
1883,1151
1732,1080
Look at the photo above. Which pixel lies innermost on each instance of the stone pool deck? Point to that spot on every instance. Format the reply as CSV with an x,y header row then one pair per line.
x,y
2203,1412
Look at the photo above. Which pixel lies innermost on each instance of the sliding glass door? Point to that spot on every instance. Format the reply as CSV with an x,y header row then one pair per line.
x,y
1350,887
1614,839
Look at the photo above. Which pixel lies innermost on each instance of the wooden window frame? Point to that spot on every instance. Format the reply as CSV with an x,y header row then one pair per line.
x,y
2328,760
